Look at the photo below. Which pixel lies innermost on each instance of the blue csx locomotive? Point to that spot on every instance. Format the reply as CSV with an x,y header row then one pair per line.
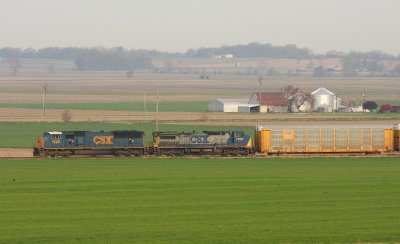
x,y
225,143
65,143
133,143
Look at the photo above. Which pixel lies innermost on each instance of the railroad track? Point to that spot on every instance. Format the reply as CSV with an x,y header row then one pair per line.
x,y
314,155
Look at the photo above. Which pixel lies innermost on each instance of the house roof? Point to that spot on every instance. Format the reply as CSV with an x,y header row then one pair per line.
x,y
271,98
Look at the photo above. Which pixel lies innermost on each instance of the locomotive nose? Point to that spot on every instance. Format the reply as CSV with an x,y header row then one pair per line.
x,y
38,147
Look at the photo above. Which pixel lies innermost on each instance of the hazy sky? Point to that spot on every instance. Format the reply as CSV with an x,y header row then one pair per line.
x,y
176,25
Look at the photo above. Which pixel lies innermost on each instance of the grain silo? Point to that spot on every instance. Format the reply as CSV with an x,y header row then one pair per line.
x,y
324,100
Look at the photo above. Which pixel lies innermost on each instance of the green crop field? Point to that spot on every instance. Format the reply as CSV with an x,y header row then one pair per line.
x,y
334,200
136,106
25,134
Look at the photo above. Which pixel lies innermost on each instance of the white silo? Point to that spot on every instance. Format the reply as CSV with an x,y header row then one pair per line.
x,y
324,100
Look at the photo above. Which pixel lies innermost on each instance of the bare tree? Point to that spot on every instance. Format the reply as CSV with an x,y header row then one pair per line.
x,y
300,99
14,65
296,97
290,91
66,116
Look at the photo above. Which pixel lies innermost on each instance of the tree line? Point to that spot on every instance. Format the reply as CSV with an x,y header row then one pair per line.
x,y
69,52
112,59
251,50
373,62
100,58
119,58
254,50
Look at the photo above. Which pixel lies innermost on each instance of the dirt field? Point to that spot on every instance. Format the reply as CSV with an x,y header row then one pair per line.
x,y
67,85
53,115
15,153
187,90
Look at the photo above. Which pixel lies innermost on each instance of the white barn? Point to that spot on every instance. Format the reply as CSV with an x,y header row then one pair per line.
x,y
227,105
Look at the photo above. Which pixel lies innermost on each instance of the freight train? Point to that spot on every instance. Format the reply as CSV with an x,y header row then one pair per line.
x,y
268,141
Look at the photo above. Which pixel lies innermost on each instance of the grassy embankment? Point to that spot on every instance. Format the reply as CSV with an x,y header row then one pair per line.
x,y
200,200
137,107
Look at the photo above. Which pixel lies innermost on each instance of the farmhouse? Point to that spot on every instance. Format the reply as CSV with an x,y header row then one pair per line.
x,y
270,102
230,105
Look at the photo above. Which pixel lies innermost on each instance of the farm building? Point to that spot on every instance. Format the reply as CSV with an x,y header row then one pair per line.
x,y
270,101
248,108
230,105
325,100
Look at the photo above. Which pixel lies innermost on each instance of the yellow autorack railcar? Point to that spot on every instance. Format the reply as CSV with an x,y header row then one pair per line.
x,y
324,140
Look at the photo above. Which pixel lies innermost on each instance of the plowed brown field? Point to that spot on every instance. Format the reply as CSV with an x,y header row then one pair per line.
x,y
15,153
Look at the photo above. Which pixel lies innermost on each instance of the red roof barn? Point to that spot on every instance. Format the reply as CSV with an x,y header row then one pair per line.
x,y
270,101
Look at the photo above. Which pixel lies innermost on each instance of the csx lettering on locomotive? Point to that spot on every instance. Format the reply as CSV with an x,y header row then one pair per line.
x,y
104,140
199,139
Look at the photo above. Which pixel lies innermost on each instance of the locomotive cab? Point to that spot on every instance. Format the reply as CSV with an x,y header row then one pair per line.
x,y
240,138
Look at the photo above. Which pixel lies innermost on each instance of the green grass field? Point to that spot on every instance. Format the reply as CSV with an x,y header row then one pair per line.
x,y
25,134
135,106
200,200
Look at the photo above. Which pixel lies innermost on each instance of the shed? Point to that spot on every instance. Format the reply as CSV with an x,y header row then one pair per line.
x,y
248,108
227,105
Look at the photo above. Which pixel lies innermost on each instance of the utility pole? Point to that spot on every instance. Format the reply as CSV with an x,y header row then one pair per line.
x,y
130,112
157,112
260,78
44,98
363,100
144,103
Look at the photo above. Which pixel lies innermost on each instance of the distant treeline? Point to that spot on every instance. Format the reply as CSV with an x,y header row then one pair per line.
x,y
374,62
112,59
119,58
251,50
254,50
43,53
291,51
68,52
